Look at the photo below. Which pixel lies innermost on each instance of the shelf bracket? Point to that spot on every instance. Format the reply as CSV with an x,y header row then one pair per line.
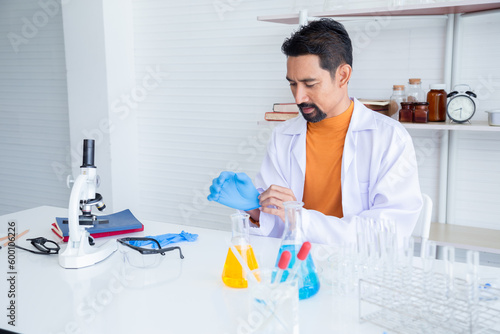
x,y
303,18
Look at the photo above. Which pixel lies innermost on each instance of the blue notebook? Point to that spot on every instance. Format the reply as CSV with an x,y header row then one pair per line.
x,y
107,225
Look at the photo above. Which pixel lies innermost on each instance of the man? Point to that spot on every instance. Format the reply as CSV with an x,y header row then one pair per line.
x,y
341,159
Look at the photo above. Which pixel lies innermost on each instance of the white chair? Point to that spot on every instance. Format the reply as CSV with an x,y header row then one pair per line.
x,y
423,227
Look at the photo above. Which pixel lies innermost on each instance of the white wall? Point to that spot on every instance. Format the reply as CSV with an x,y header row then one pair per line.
x,y
100,70
477,197
224,71
34,133
193,78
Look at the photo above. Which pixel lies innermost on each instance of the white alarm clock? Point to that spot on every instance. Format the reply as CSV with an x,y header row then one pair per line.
x,y
461,106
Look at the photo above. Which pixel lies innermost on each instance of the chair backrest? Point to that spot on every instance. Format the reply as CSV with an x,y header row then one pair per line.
x,y
423,227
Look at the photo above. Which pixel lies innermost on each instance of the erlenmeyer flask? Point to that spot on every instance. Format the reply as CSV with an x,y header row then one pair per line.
x,y
293,238
233,274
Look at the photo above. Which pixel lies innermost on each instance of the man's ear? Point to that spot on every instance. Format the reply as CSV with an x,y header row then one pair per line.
x,y
343,74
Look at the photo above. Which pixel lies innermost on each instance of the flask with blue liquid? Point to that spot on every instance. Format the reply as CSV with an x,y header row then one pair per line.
x,y
293,238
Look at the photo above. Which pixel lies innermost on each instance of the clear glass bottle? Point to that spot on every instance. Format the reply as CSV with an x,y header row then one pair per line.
x,y
233,274
292,240
415,92
398,96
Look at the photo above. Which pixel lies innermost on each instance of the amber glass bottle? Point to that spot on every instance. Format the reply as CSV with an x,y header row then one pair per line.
x,y
437,103
420,112
406,112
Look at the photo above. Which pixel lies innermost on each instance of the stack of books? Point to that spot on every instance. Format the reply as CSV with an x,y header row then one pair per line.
x,y
282,112
122,222
381,106
285,111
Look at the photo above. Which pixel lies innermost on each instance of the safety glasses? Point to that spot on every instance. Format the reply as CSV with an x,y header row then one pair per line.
x,y
44,246
142,257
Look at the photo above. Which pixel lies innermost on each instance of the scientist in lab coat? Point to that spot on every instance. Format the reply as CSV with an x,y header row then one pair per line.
x,y
340,158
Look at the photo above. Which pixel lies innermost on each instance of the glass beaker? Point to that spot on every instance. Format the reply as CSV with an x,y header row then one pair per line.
x,y
292,241
233,274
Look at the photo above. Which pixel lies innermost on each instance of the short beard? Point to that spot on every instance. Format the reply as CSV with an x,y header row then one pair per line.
x,y
313,117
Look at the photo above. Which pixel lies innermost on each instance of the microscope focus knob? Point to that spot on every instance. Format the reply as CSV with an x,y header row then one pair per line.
x,y
69,181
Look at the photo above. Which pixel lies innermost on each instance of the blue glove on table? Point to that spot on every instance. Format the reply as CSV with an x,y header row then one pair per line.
x,y
165,239
234,190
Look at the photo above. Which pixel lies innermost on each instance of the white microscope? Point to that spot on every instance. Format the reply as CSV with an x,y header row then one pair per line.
x,y
80,251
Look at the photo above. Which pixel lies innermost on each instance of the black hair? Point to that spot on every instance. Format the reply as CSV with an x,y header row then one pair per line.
x,y
325,38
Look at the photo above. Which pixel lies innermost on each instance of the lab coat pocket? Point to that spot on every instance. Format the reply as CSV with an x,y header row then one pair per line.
x,y
363,193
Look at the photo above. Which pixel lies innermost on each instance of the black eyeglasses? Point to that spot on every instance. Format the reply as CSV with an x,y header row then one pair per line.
x,y
40,243
146,251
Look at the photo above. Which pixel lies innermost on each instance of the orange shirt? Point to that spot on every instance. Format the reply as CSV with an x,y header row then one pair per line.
x,y
324,149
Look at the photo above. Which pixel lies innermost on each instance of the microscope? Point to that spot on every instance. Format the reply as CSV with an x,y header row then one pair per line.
x,y
81,251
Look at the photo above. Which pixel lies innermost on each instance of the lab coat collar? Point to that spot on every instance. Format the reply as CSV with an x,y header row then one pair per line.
x,y
362,119
296,126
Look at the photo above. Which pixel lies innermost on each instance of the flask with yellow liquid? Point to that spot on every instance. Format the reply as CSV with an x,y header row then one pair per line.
x,y
233,274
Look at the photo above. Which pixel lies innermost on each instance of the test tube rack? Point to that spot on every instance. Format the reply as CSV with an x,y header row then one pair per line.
x,y
414,301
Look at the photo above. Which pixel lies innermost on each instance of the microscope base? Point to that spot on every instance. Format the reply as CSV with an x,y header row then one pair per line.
x,y
82,254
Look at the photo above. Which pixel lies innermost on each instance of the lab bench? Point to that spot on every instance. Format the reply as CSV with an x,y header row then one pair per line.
x,y
179,296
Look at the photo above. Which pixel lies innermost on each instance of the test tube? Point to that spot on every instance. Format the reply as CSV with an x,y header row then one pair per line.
x,y
390,244
449,283
407,252
362,246
373,239
473,288
406,260
428,259
429,255
449,263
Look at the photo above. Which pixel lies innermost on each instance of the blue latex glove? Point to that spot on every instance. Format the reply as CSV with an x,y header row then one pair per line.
x,y
235,191
165,239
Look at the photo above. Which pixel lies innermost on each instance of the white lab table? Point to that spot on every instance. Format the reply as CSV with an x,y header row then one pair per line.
x,y
179,296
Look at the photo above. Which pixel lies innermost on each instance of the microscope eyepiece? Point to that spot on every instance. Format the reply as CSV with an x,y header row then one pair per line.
x,y
88,153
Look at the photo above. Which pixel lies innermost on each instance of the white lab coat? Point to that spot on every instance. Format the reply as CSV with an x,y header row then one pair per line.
x,y
379,176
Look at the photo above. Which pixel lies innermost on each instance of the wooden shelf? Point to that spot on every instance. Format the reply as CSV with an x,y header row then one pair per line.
x,y
473,126
466,237
439,8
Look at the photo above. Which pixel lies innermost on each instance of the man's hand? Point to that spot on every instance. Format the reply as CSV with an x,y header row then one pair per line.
x,y
272,199
235,191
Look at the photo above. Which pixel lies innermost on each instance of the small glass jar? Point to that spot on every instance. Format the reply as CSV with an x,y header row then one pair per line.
x,y
398,96
415,92
437,98
406,112
420,112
